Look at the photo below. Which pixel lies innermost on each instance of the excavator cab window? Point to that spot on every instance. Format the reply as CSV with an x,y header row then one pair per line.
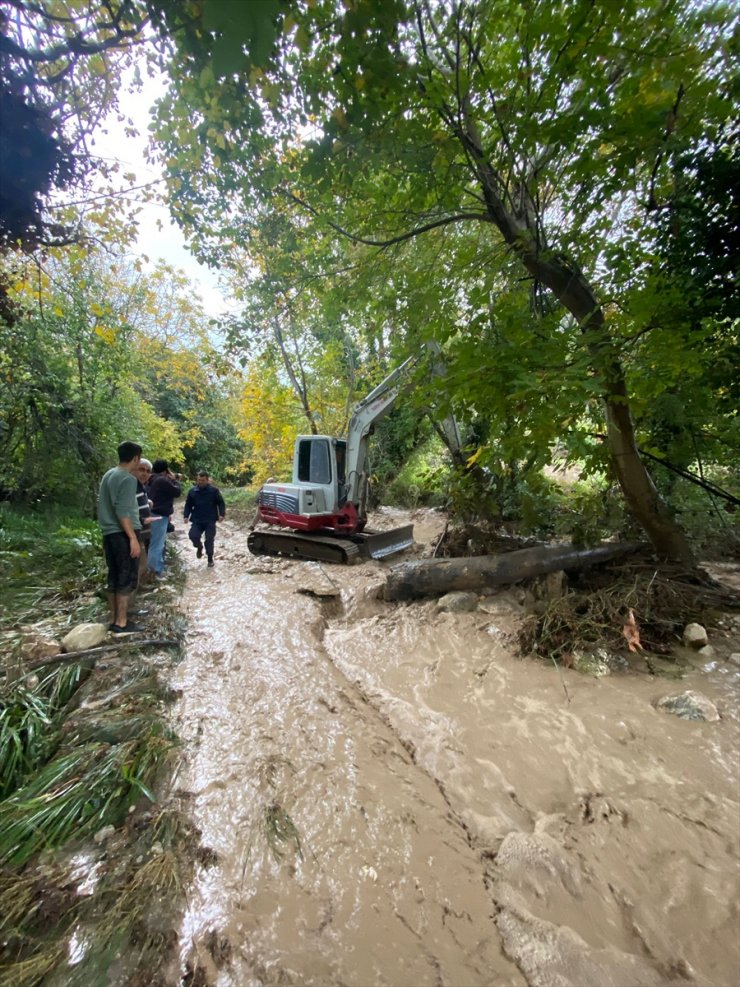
x,y
340,449
341,452
314,461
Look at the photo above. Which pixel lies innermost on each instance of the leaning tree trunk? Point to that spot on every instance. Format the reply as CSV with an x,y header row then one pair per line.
x,y
574,292
645,503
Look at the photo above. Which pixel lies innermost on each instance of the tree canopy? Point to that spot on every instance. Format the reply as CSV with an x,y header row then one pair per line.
x,y
494,174
548,190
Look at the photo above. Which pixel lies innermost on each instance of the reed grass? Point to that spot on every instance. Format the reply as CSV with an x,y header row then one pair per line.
x,y
123,917
24,737
46,557
63,780
29,724
78,793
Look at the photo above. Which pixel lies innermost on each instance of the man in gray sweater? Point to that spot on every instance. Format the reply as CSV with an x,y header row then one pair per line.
x,y
118,517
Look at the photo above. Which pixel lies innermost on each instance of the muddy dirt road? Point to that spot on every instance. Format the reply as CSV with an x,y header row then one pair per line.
x,y
389,795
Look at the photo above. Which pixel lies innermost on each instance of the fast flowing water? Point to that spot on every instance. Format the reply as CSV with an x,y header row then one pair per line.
x,y
389,795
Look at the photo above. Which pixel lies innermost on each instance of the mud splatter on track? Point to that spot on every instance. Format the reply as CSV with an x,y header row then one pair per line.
x,y
392,797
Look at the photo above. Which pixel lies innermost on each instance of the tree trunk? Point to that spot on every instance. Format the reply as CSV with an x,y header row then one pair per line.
x,y
644,501
571,288
433,577
298,386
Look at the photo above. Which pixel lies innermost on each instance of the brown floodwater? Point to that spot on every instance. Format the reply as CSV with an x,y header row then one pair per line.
x,y
392,797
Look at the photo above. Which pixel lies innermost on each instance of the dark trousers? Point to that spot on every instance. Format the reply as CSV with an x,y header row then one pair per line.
x,y
122,569
198,530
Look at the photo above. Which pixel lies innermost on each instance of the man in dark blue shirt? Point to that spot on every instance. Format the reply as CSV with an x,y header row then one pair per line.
x,y
204,506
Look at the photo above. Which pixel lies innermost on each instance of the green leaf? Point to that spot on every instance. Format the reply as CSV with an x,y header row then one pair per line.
x,y
228,58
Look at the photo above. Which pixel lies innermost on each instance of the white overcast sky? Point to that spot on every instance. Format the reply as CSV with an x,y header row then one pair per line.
x,y
167,243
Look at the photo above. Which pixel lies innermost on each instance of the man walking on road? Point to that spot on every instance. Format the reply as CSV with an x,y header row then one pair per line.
x,y
118,517
204,506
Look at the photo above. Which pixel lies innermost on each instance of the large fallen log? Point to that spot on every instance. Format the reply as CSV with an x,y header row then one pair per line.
x,y
433,577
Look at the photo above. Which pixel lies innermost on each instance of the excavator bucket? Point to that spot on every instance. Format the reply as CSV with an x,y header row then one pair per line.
x,y
377,544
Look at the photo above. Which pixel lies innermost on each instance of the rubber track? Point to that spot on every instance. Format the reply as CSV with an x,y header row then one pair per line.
x,y
316,548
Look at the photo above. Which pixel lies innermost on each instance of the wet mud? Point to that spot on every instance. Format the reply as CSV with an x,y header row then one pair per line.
x,y
387,794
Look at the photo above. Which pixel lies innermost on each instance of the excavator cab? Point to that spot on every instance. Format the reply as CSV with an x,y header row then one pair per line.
x,y
312,460
321,461
318,469
316,504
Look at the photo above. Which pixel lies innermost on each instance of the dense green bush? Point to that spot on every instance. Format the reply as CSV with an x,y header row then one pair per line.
x,y
423,479
240,498
44,552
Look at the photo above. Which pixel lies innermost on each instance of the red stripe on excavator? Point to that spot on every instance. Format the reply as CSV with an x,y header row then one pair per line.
x,y
345,523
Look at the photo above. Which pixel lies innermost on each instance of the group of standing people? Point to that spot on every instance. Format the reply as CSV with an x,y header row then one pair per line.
x,y
135,508
157,490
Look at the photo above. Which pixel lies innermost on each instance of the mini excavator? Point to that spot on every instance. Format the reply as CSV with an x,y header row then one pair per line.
x,y
322,513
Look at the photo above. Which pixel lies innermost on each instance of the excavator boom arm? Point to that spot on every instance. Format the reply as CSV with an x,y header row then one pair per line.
x,y
370,410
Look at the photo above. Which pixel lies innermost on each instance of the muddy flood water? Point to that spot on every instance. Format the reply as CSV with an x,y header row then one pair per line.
x,y
388,795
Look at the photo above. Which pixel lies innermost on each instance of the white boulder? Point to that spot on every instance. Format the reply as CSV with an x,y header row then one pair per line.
x,y
695,636
85,636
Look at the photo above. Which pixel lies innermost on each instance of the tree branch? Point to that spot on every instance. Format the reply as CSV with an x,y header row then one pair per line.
x,y
392,241
653,204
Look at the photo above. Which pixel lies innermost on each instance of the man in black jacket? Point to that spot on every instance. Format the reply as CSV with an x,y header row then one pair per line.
x,y
163,488
204,506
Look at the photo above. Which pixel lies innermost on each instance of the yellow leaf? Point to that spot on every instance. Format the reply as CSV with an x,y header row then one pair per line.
x,y
106,333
